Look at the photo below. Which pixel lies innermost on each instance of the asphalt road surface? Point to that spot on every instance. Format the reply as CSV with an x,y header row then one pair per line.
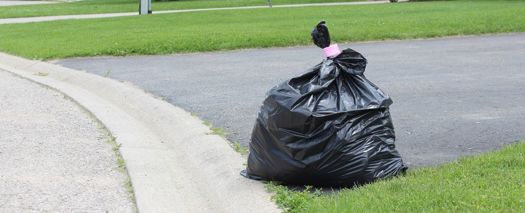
x,y
452,96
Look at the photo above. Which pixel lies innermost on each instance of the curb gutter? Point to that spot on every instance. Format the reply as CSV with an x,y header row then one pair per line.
x,y
175,165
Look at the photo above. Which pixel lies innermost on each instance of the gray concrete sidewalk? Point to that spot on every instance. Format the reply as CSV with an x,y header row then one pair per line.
x,y
173,160
54,156
108,15
15,3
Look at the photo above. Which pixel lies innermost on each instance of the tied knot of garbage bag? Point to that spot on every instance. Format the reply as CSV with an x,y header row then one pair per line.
x,y
321,38
327,127
320,35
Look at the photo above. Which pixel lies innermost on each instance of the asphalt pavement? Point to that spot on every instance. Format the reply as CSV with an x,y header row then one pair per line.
x,y
452,96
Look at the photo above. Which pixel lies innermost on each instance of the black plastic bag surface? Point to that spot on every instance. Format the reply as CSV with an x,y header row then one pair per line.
x,y
327,127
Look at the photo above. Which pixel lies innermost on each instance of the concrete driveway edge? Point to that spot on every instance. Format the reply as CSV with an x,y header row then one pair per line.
x,y
174,163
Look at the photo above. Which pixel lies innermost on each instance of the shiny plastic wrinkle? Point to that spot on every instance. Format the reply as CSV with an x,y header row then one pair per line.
x,y
327,127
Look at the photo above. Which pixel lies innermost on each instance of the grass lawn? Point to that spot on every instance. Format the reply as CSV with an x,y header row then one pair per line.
x,y
114,6
221,30
492,182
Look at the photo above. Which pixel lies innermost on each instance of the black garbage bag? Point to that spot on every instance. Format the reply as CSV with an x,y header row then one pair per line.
x,y
327,127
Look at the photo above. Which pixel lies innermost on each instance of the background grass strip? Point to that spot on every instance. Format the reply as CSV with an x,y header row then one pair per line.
x,y
223,30
115,6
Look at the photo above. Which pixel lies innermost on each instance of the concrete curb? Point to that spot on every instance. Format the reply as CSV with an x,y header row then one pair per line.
x,y
175,165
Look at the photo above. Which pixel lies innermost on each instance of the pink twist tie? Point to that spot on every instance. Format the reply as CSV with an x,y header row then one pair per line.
x,y
332,51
